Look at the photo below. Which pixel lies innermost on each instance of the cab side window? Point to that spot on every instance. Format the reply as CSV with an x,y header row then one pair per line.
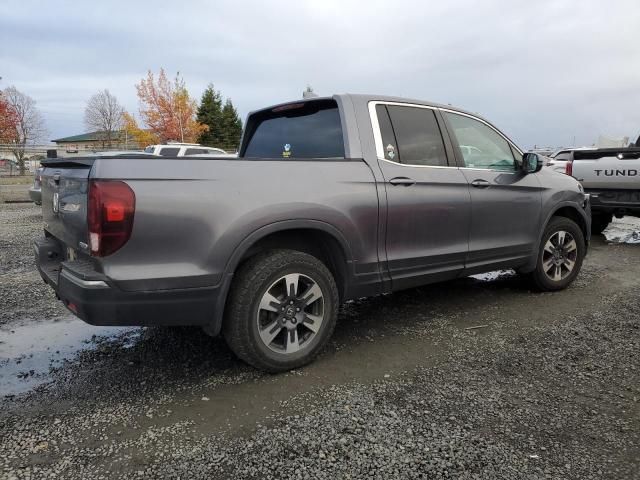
x,y
195,151
389,144
418,137
481,146
169,152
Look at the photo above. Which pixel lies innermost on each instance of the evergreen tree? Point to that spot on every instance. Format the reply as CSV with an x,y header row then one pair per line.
x,y
210,113
231,126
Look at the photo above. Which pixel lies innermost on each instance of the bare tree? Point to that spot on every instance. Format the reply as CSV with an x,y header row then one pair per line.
x,y
30,126
104,114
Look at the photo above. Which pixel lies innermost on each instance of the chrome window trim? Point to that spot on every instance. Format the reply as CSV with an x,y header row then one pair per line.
x,y
488,170
377,134
415,166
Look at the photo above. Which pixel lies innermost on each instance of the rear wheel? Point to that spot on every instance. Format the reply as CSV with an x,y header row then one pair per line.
x,y
599,222
561,254
282,310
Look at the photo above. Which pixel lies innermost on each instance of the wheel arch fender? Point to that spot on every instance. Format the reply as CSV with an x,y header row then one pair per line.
x,y
283,226
566,209
241,250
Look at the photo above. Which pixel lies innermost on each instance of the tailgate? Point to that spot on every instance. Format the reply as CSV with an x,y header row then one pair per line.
x,y
64,199
608,169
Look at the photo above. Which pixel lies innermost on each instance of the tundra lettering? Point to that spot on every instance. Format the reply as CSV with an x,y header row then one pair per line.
x,y
622,173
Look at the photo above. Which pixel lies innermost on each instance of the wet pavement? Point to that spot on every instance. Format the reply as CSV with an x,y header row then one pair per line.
x,y
30,352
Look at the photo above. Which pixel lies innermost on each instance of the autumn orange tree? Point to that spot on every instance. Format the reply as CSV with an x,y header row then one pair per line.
x,y
8,120
141,136
167,109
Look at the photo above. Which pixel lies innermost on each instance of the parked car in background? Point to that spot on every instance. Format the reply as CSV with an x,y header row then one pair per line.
x,y
330,199
183,150
558,159
611,176
35,191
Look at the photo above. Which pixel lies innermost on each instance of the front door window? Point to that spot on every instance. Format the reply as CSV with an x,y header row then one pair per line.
x,y
481,146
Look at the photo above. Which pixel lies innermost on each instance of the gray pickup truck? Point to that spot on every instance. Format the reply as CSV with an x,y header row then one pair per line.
x,y
330,199
611,177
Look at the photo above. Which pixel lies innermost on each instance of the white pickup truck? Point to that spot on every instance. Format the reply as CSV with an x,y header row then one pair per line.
x,y
612,177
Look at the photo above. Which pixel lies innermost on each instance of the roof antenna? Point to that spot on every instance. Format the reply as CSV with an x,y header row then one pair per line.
x,y
309,93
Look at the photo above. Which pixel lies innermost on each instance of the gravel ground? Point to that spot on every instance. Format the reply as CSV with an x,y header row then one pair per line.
x,y
547,387
23,294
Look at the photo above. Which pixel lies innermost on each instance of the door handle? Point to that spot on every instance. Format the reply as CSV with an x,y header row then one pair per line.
x,y
404,181
480,184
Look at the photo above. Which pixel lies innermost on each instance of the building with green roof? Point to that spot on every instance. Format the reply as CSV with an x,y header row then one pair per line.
x,y
92,141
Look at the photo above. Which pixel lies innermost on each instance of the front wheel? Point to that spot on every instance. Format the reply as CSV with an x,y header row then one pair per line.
x,y
282,310
560,257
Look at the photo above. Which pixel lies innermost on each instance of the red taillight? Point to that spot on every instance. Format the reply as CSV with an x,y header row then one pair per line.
x,y
568,168
110,210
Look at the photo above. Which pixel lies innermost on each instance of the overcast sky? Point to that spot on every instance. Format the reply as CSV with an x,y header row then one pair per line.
x,y
543,71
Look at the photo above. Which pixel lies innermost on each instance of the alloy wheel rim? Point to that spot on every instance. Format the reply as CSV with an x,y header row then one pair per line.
x,y
290,313
559,256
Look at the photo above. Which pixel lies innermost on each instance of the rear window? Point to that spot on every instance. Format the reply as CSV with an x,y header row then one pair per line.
x,y
169,152
196,151
562,156
309,129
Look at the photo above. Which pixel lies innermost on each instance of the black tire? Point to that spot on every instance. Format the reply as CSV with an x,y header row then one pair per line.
x,y
241,327
599,222
540,278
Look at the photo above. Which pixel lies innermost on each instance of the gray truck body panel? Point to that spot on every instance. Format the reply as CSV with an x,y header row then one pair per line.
x,y
196,218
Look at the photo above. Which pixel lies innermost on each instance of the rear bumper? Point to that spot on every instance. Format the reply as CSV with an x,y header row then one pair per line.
x,y
93,298
622,202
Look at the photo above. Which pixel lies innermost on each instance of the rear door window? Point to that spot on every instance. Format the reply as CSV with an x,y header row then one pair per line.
x,y
195,151
169,152
389,142
309,129
419,141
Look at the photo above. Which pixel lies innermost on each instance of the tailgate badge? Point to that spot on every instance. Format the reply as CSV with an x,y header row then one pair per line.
x,y
56,202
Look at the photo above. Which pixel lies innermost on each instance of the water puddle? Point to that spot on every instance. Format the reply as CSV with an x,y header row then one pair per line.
x,y
623,230
29,352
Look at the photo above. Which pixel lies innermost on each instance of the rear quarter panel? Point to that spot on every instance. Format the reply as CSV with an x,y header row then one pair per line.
x,y
191,214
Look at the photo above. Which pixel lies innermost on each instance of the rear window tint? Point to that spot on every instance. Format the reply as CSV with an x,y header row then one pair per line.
x,y
309,129
418,136
169,152
196,151
562,157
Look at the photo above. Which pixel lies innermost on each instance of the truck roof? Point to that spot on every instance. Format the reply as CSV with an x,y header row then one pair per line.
x,y
363,97
356,104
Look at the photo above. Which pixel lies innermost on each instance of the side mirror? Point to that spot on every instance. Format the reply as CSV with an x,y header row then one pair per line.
x,y
531,162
